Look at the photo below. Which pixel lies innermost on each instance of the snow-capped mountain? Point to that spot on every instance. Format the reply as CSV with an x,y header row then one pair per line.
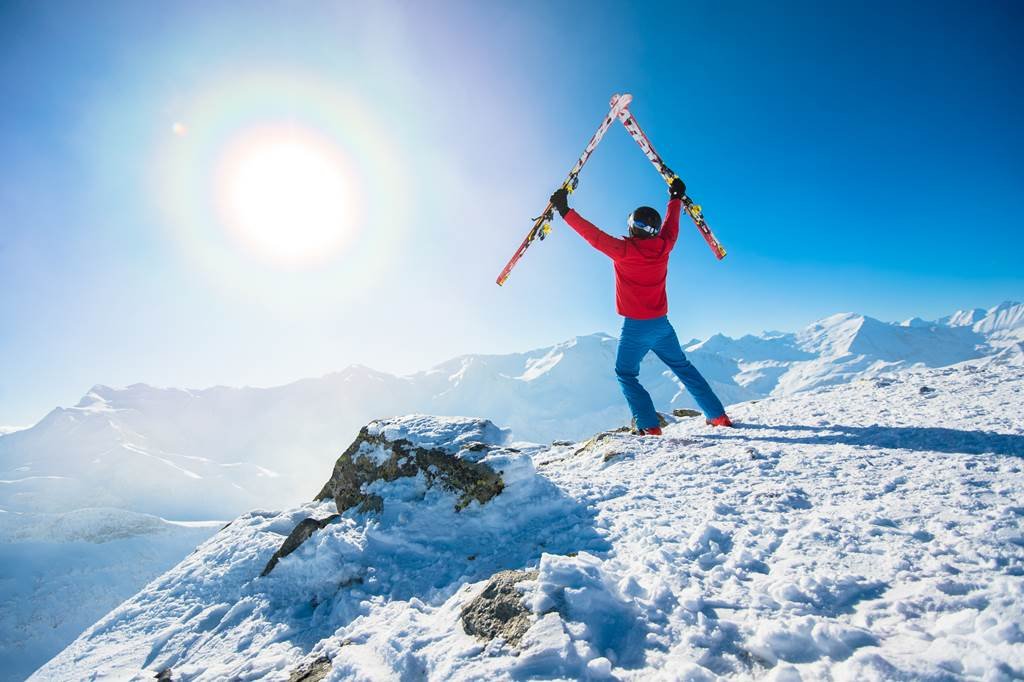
x,y
847,346
866,531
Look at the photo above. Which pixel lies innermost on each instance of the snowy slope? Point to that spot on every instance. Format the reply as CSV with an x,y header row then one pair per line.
x,y
59,573
863,531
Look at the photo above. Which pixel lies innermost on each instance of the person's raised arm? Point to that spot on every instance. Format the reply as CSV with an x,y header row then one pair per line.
x,y
603,242
670,226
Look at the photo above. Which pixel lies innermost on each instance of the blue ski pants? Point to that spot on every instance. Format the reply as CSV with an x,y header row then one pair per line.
x,y
637,338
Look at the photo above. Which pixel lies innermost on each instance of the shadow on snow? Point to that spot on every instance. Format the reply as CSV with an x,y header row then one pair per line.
x,y
923,438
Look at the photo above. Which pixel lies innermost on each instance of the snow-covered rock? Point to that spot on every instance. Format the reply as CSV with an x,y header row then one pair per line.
x,y
870,530
456,454
498,611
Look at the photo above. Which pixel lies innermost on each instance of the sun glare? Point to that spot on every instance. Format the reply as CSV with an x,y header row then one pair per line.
x,y
287,195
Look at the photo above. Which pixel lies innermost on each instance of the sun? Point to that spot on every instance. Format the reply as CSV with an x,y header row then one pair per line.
x,y
287,195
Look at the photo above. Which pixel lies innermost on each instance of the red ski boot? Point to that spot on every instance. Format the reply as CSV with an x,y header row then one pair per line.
x,y
720,420
653,431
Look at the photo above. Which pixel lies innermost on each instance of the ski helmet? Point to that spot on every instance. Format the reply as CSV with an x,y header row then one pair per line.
x,y
644,222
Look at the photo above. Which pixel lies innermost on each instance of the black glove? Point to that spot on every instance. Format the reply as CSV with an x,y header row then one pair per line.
x,y
677,190
560,200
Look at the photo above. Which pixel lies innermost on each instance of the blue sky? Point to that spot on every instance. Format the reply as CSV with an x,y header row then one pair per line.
x,y
862,157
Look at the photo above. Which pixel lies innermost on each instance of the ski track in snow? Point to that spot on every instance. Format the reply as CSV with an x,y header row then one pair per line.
x,y
864,531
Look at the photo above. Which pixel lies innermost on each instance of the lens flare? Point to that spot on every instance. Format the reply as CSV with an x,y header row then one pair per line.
x,y
286,195
268,191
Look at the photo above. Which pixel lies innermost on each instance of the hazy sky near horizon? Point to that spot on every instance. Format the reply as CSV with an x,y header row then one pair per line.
x,y
851,157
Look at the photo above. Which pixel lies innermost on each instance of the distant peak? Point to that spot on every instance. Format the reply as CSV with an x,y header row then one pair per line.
x,y
1006,316
598,337
837,320
98,394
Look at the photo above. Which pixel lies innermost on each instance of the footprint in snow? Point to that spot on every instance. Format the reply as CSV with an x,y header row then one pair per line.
x,y
708,546
783,501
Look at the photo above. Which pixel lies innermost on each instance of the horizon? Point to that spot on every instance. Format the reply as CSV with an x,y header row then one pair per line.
x,y
8,428
849,158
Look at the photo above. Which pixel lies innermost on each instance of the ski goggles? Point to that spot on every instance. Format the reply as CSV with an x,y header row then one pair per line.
x,y
642,226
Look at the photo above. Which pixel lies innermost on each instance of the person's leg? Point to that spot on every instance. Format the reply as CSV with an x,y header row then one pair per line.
x,y
633,346
668,350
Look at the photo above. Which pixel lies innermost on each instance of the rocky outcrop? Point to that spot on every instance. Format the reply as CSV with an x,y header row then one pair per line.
x,y
389,449
312,672
684,412
499,611
299,534
445,451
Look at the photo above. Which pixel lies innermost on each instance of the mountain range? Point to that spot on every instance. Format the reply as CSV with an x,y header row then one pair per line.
x,y
216,452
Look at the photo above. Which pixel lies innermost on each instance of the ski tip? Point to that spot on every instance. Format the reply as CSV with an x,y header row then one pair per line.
x,y
621,100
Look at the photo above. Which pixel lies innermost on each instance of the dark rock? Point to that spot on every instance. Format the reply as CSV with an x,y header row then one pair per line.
x,y
164,675
499,610
925,390
592,443
311,672
299,534
685,413
402,458
662,422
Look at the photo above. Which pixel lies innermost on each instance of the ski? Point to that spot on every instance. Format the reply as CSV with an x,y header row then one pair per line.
x,y
693,210
542,223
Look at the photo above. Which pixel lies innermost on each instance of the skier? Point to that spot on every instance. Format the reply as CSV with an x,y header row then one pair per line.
x,y
641,267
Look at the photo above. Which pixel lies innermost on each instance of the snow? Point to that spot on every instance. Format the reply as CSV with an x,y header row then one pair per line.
x,y
870,530
59,573
1003,317
963,318
447,433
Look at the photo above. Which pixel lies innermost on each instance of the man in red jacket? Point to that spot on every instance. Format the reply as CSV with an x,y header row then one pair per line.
x,y
641,267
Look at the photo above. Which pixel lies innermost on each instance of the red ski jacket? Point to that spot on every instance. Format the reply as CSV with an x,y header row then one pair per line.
x,y
641,265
